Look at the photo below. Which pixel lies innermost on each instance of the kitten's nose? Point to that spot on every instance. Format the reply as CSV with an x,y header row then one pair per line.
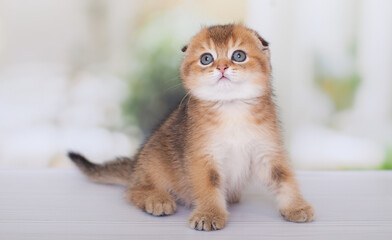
x,y
222,68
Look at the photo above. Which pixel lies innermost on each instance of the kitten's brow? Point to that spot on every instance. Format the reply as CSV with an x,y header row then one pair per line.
x,y
235,44
207,47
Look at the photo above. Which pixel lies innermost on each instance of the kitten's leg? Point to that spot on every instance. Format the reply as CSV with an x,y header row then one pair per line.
x,y
210,205
151,200
277,175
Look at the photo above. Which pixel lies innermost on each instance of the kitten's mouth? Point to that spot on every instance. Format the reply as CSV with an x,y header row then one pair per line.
x,y
224,79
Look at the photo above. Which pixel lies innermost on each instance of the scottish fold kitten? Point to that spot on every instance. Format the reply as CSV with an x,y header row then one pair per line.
x,y
223,133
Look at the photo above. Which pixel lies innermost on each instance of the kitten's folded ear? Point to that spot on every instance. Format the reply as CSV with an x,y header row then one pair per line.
x,y
184,48
263,41
264,44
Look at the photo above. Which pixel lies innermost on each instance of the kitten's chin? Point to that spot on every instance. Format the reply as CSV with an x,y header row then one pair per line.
x,y
227,92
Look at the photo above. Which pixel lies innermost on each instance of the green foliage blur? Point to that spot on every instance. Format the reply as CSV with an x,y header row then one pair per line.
x,y
387,164
154,80
340,90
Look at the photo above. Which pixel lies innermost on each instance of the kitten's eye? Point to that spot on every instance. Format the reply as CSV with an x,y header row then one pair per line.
x,y
206,59
238,56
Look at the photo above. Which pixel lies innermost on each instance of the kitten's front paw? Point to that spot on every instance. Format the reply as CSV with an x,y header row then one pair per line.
x,y
207,221
298,213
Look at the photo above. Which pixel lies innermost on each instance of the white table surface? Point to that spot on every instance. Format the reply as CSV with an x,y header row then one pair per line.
x,y
62,204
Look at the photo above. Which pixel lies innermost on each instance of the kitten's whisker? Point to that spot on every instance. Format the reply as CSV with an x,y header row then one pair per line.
x,y
174,86
177,77
190,96
184,97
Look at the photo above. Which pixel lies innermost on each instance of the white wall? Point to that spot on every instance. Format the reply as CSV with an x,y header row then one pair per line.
x,y
303,32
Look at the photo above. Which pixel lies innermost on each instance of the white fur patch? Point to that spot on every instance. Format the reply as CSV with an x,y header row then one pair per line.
x,y
237,146
238,88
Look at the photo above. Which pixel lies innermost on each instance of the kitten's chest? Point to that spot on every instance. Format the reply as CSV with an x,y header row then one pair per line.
x,y
236,145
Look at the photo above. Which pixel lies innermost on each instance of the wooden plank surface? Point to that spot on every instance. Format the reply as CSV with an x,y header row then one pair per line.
x,y
62,204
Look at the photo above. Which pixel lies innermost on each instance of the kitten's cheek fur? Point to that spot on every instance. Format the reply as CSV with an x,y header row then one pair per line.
x,y
241,91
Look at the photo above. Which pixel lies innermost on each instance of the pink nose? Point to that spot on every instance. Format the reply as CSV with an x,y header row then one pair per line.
x,y
222,68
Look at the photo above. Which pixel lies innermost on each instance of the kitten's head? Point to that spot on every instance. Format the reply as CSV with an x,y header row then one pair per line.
x,y
226,62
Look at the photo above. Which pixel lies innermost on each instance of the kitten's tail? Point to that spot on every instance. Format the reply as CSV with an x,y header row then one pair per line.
x,y
117,171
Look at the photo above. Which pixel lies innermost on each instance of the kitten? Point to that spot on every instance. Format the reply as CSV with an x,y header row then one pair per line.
x,y
221,135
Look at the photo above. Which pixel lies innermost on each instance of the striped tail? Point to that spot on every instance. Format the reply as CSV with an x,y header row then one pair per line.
x,y
117,171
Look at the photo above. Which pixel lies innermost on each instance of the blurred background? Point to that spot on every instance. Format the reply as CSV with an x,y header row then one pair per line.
x,y
95,76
